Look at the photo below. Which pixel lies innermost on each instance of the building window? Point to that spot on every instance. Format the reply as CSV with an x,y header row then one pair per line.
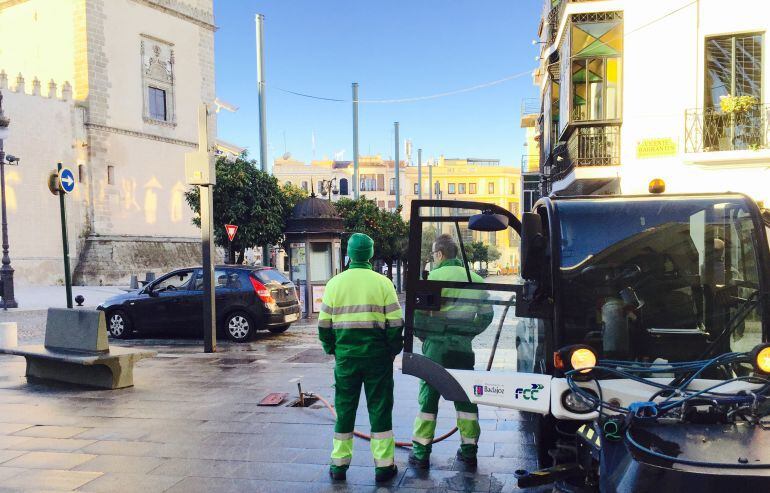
x,y
391,205
372,183
81,173
491,188
157,99
344,186
471,188
381,204
451,188
596,49
392,189
304,186
158,81
416,188
513,188
461,188
733,67
110,175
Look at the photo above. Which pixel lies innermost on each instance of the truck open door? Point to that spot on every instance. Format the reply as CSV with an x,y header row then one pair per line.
x,y
460,320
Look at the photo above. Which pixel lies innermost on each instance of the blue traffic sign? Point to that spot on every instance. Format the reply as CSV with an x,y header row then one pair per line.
x,y
67,180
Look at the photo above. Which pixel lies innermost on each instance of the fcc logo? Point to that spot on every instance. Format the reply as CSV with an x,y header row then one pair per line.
x,y
478,390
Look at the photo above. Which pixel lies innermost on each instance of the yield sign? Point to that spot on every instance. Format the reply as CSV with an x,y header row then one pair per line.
x,y
231,230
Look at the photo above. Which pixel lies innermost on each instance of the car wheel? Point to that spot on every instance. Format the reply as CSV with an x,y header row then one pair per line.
x,y
239,327
118,324
278,329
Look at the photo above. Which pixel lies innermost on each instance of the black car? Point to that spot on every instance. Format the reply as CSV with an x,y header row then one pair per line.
x,y
247,299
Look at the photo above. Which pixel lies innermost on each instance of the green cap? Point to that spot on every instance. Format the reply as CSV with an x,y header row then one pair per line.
x,y
360,247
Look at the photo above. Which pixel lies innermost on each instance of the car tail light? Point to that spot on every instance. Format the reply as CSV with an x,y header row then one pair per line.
x,y
262,292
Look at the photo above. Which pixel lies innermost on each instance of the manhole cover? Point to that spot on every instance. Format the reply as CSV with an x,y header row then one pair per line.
x,y
314,355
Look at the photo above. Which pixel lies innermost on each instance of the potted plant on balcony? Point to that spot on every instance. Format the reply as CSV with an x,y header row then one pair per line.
x,y
737,105
737,122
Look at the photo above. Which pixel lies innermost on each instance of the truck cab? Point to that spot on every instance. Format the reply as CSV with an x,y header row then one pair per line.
x,y
647,280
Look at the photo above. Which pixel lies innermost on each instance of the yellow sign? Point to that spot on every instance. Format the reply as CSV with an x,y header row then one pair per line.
x,y
647,148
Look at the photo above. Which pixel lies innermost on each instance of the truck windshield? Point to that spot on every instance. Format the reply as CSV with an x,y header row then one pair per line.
x,y
659,278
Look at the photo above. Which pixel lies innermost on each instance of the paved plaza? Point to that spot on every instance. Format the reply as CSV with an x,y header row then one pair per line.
x,y
191,423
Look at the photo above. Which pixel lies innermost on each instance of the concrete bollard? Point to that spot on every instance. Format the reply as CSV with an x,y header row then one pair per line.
x,y
9,335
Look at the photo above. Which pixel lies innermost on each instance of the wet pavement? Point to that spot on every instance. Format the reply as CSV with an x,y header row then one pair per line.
x,y
191,423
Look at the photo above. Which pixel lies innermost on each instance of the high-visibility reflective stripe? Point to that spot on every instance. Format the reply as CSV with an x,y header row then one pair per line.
x,y
381,435
395,323
427,416
342,451
469,429
383,462
326,308
359,325
392,307
383,449
343,436
342,310
469,440
422,441
590,433
324,324
467,416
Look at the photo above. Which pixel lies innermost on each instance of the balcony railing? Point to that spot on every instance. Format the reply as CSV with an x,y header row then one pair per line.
x,y
587,145
711,130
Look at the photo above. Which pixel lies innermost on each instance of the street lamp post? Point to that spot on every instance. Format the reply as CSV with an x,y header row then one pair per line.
x,y
6,271
327,188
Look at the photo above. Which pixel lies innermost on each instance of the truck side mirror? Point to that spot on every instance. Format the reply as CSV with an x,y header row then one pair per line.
x,y
488,221
532,246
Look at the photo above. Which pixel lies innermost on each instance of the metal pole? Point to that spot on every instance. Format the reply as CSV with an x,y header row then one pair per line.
x,y
419,173
209,308
430,181
65,244
397,170
356,184
264,165
6,271
398,203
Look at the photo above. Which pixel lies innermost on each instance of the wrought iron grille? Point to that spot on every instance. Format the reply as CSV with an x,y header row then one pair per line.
x,y
711,130
594,146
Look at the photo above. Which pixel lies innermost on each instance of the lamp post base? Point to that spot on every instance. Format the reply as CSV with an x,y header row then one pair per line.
x,y
6,282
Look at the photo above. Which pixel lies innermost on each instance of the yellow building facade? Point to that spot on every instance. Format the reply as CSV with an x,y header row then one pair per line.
x,y
484,180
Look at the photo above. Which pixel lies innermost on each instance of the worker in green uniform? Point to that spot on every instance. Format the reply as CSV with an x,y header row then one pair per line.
x,y
360,323
447,337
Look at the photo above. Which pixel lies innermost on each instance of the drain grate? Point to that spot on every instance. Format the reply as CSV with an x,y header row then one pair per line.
x,y
306,401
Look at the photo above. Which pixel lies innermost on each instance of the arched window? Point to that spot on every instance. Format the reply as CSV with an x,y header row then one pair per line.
x,y
344,186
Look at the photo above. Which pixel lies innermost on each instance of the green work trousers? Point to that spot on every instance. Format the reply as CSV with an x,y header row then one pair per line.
x,y
376,376
448,355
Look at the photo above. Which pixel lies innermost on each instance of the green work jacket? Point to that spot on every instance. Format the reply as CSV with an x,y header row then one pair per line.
x,y
360,315
463,313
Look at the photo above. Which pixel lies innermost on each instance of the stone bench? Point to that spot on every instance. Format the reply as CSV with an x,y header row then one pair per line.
x,y
76,351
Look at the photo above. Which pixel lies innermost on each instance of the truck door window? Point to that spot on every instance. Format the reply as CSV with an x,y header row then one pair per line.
x,y
460,327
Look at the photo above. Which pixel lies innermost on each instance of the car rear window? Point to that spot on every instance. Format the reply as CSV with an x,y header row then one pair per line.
x,y
271,275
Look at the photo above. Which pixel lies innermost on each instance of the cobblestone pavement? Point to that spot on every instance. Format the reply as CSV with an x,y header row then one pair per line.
x,y
191,424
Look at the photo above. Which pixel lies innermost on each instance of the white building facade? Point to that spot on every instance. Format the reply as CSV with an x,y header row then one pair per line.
x,y
111,89
632,91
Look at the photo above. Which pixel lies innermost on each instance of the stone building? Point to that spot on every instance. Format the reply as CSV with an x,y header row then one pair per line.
x,y
110,88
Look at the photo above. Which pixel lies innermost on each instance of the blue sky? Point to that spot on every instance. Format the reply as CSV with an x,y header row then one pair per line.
x,y
393,49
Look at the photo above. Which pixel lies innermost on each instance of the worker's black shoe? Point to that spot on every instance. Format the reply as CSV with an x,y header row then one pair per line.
x,y
419,463
470,463
385,474
337,475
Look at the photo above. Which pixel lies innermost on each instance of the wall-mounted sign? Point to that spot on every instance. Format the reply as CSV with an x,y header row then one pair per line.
x,y
648,148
